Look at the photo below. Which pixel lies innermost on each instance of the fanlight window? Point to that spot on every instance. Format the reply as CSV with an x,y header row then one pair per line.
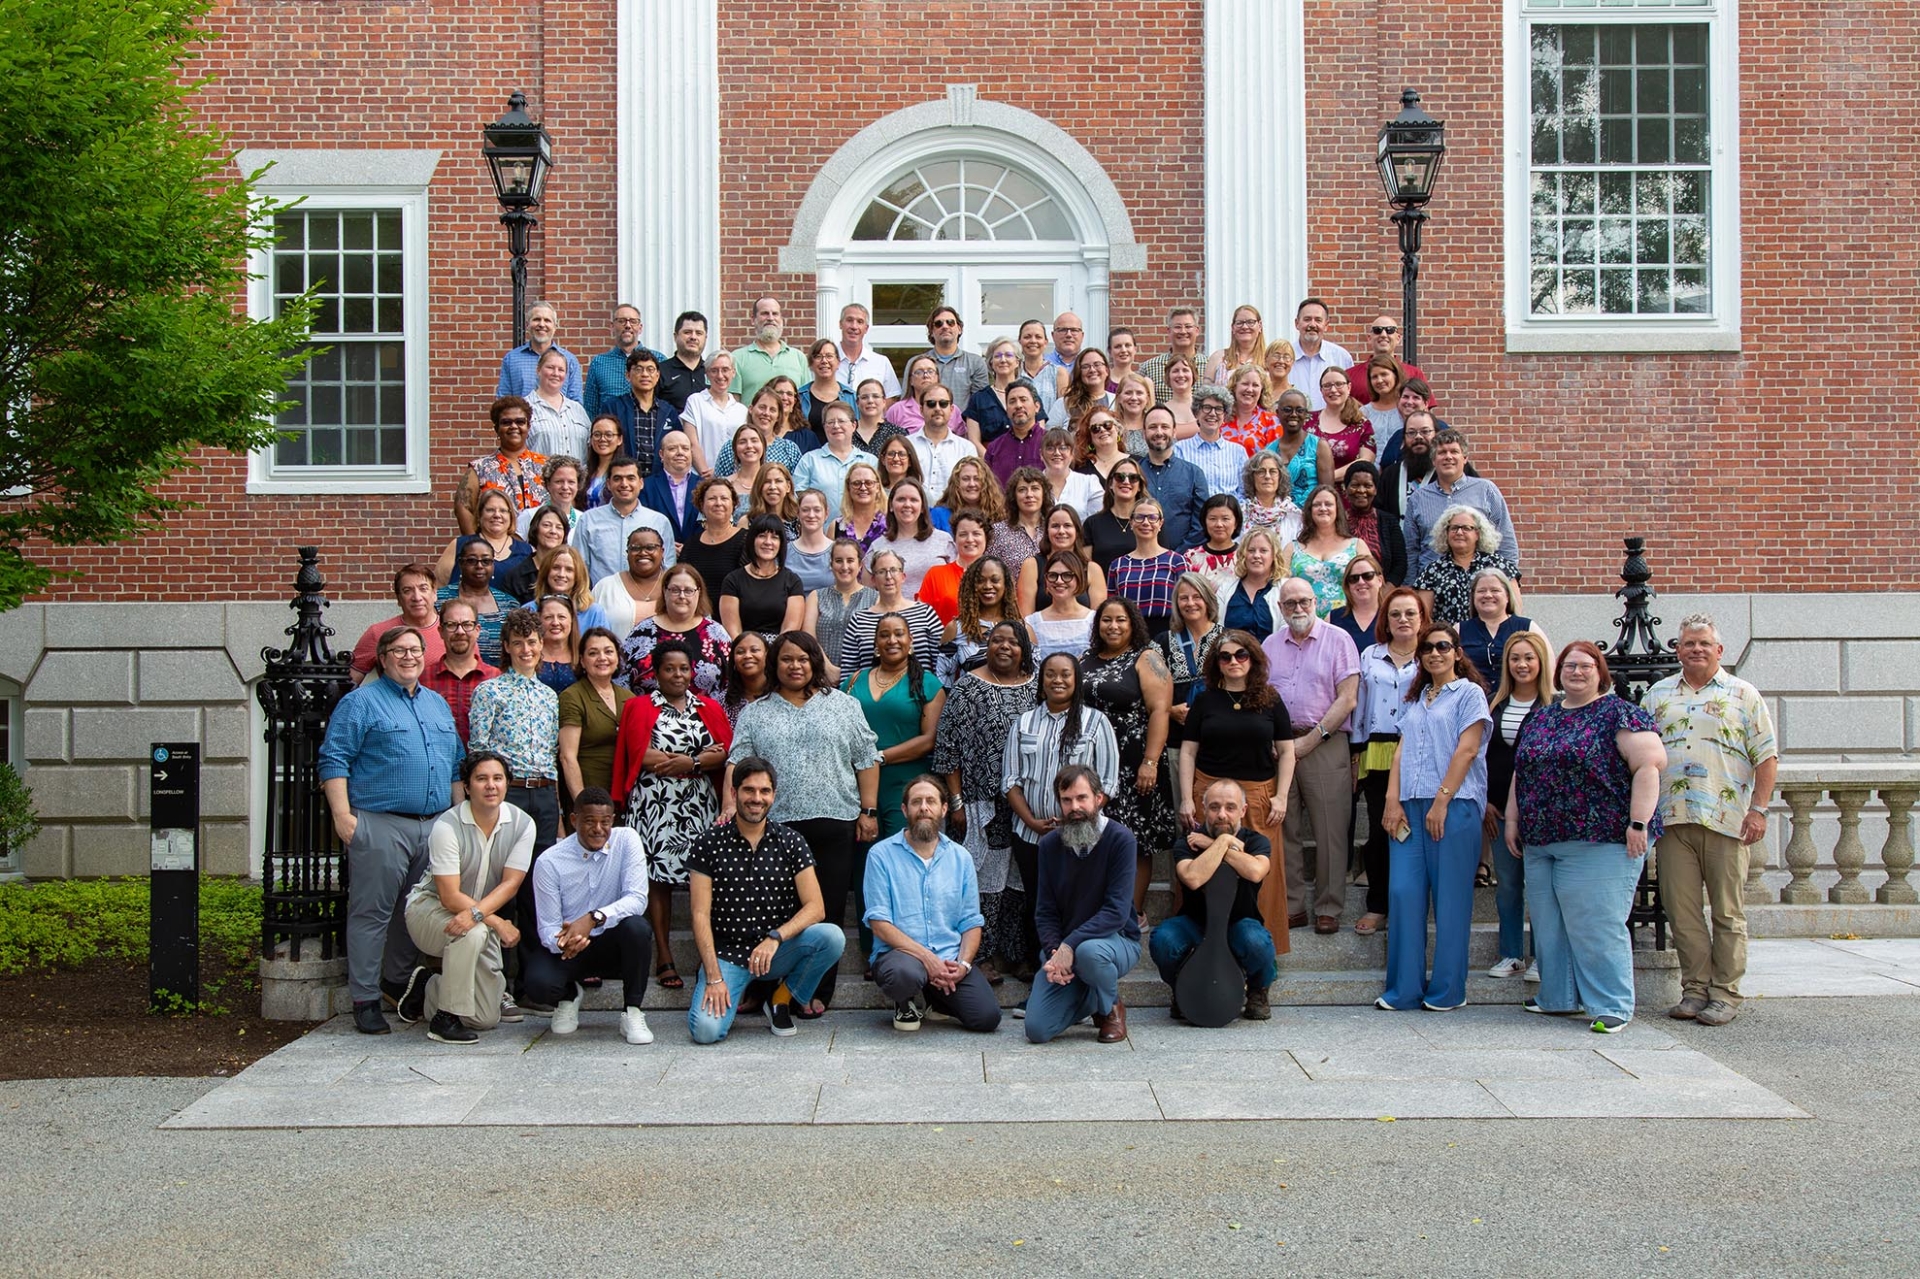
x,y
975,200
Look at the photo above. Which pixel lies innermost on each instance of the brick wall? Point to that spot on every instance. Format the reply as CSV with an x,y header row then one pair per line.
x,y
1766,469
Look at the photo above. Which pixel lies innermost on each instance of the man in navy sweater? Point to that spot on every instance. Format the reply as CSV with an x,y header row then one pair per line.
x,y
1084,912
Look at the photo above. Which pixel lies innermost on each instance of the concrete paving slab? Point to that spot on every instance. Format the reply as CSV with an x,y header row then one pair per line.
x,y
932,1068
1313,1029
1462,1063
1667,1098
1331,1099
1039,1067
772,1102
1684,1064
1797,967
330,1106
1513,1028
987,1103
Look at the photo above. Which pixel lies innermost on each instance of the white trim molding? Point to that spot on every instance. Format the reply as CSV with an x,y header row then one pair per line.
x,y
358,181
668,152
1256,195
1719,328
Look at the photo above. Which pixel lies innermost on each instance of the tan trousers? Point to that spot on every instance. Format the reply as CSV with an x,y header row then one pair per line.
x,y
1323,796
1693,858
1273,889
471,979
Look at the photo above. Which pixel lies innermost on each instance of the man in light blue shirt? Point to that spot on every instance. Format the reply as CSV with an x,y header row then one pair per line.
x,y
590,908
520,367
600,535
923,904
1316,354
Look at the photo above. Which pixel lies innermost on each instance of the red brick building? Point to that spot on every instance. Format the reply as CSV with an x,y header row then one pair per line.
x,y
1664,267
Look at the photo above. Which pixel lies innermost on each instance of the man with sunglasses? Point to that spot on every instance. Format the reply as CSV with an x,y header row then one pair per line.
x,y
938,447
1383,338
962,372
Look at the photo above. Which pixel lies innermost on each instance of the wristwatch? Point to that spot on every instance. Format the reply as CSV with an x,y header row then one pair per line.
x,y
870,812
479,916
598,916
773,935
1639,826
1324,734
880,758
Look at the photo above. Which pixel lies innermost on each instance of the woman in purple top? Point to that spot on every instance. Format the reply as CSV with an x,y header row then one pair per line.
x,y
1436,793
1586,785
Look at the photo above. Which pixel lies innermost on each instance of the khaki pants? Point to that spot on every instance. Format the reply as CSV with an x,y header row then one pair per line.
x,y
471,979
1322,795
1692,858
1273,889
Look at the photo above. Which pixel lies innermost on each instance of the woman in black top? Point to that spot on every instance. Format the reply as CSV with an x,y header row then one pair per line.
x,y
1238,729
763,595
719,547
1110,532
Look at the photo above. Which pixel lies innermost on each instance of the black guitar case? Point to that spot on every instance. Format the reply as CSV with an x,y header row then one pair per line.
x,y
1210,986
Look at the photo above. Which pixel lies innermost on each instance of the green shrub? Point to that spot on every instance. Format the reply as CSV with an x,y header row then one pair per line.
x,y
18,824
67,923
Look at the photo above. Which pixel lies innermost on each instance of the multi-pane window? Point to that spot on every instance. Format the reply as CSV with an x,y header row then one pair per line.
x,y
1626,206
963,199
348,405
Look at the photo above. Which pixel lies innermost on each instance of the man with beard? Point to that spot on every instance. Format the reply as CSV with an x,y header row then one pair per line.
x,y
923,905
1084,913
1315,668
768,355
1246,853
458,671
1408,461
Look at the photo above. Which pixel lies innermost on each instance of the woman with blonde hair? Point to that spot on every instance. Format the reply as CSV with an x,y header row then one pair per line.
x,y
986,418
1130,405
1278,366
1251,425
773,495
1526,684
1247,345
863,505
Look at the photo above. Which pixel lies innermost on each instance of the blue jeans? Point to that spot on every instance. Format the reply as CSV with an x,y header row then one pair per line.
x,y
1511,898
802,962
1177,936
1438,873
1579,894
1098,966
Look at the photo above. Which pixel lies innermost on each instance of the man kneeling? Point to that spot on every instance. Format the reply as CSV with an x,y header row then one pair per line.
x,y
923,904
1248,854
1084,912
590,901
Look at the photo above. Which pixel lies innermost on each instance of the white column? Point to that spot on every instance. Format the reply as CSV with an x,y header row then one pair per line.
x,y
669,157
1256,191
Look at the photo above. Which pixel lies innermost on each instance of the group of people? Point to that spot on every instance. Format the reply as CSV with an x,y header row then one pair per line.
x,y
781,630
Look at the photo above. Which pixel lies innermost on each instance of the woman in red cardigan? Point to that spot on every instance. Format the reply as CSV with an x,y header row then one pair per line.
x,y
672,745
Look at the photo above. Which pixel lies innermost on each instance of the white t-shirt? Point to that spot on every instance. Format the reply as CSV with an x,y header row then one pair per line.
x,y
712,425
938,460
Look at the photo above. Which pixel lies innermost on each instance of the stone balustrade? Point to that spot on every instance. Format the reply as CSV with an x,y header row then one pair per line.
x,y
1826,805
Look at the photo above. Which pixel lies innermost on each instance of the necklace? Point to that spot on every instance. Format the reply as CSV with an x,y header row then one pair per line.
x,y
878,689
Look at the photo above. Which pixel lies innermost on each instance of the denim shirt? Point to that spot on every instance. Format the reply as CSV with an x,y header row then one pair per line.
x,y
934,902
1383,695
1430,734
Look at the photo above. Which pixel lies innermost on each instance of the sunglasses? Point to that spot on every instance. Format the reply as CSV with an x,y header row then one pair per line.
x,y
937,404
1367,576
1235,655
1381,330
1438,646
1125,478
1062,577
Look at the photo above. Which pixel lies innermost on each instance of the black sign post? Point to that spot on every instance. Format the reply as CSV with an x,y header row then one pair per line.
x,y
173,954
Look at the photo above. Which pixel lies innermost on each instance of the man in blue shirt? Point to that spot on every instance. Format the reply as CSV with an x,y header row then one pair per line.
x,y
923,904
607,371
386,769
1083,911
1176,483
520,366
590,912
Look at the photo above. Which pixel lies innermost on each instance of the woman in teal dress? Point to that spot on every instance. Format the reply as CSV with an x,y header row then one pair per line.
x,y
902,701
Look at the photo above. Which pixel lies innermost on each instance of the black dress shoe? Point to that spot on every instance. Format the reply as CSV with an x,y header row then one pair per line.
x,y
368,1021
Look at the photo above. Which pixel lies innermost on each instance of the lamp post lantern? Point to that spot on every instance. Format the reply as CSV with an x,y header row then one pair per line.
x,y
519,153
1411,146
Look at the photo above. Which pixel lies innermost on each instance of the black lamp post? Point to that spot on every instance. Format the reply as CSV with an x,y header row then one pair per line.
x,y
1410,149
519,153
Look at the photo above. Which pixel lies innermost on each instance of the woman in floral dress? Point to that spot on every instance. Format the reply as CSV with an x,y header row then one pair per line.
x,y
1127,680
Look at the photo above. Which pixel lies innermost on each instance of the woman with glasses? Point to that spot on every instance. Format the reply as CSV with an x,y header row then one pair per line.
x,y
1467,542
898,462
1307,459
985,417
1362,583
1269,504
1110,533
1346,430
1250,426
1097,440
888,573
1323,550
1386,673
1147,573
604,443
1436,795
1078,489
871,429
1386,378
1239,729
1586,790
1065,625
1128,682
923,371
1279,368
863,502
633,593
1082,388
1247,345
683,615
1379,530
1065,532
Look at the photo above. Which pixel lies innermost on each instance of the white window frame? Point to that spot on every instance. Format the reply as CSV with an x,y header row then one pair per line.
x,y
370,182
1717,330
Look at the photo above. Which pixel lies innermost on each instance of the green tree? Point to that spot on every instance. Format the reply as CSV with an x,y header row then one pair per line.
x,y
122,258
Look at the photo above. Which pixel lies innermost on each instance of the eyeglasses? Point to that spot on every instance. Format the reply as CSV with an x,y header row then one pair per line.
x,y
1062,577
460,626
1295,606
1463,528
1146,518
1065,328
861,484
644,548
937,404
1438,646
1246,324
1005,355
513,421
892,570
1234,655
683,589
408,651
1381,330
1293,412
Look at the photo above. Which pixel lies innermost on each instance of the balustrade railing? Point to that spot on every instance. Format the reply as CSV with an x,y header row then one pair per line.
x,y
1850,788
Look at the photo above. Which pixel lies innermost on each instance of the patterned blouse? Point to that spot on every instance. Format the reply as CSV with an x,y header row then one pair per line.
x,y
867,536
517,477
816,750
971,734
1255,435
710,640
519,717
1571,780
1346,443
783,450
1011,546
1452,586
1147,581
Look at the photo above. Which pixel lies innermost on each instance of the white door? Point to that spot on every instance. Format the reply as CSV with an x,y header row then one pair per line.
x,y
993,299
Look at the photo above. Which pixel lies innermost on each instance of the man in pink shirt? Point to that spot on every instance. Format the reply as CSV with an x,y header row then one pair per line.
x,y
1315,668
413,590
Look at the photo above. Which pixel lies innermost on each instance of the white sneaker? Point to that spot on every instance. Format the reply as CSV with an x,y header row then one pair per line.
x,y
1533,974
633,1027
566,1014
1506,968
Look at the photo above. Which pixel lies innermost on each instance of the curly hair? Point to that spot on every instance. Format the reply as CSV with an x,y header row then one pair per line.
x,y
967,623
1259,695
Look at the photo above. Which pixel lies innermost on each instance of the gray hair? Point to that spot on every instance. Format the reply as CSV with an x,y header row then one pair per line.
x,y
1701,622
559,462
1201,586
1489,535
1207,393
880,552
1507,584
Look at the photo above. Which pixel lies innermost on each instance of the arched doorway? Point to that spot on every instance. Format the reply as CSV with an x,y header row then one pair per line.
x,y
976,205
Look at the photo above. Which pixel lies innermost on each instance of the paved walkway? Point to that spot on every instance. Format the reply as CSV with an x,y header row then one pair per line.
x,y
1483,1062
